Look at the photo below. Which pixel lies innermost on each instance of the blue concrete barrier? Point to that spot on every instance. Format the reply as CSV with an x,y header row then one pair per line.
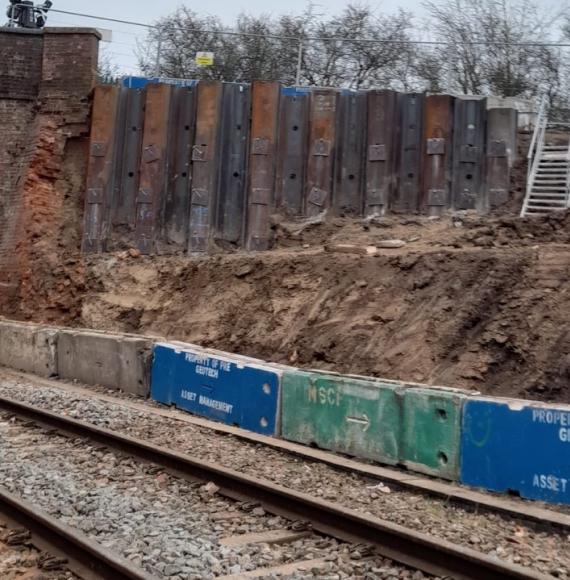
x,y
223,388
517,446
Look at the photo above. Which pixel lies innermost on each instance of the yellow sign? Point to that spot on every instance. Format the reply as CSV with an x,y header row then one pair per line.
x,y
204,58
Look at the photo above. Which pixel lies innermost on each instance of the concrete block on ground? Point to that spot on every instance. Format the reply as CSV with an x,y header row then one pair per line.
x,y
28,347
109,360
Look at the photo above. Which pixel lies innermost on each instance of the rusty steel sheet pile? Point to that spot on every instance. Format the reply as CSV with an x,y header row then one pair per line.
x,y
293,135
322,141
234,138
153,168
349,173
129,131
381,157
175,209
469,154
205,159
206,166
101,168
262,163
407,195
437,153
501,152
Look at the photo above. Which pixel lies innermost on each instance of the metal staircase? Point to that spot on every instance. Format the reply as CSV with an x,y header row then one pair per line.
x,y
548,181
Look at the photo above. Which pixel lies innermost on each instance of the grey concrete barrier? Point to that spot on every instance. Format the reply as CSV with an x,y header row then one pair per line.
x,y
110,360
29,348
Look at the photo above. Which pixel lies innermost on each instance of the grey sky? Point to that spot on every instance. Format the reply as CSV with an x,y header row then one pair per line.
x,y
121,50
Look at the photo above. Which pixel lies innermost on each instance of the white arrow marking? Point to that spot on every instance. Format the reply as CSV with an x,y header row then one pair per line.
x,y
364,420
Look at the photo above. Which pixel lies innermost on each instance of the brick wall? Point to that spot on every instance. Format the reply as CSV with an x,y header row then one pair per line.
x,y
69,62
46,79
21,63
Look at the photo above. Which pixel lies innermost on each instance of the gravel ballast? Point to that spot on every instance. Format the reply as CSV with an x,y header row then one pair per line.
x,y
170,527
533,545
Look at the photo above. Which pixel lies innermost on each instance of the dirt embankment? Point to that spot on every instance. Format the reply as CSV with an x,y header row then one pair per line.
x,y
469,301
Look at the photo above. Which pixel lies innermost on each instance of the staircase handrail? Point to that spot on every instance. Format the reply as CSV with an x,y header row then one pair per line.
x,y
541,122
535,150
568,177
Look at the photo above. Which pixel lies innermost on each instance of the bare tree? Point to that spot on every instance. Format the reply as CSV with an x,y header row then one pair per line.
x,y
493,46
180,36
358,48
107,69
488,47
266,48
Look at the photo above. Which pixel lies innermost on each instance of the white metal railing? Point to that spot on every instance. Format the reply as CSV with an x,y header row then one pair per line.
x,y
535,150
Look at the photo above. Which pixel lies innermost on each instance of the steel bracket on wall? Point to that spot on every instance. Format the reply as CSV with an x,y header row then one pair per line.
x,y
98,149
497,149
260,146
377,153
317,196
322,148
199,153
437,197
435,146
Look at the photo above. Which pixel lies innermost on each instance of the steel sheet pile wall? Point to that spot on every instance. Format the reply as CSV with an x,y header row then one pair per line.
x,y
322,134
154,166
202,167
234,138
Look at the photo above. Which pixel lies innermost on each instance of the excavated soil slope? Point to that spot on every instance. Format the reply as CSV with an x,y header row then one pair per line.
x,y
473,302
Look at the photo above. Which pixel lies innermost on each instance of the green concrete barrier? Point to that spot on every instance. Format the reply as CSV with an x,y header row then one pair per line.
x,y
352,416
432,430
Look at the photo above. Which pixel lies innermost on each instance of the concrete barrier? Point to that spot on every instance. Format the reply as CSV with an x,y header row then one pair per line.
x,y
432,430
111,360
362,418
29,348
232,390
517,446
497,444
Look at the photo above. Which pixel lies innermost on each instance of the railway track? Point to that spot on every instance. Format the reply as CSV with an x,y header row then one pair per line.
x,y
157,415
84,556
358,534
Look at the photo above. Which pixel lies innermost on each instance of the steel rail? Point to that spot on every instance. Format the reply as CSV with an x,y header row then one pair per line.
x,y
85,557
420,551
